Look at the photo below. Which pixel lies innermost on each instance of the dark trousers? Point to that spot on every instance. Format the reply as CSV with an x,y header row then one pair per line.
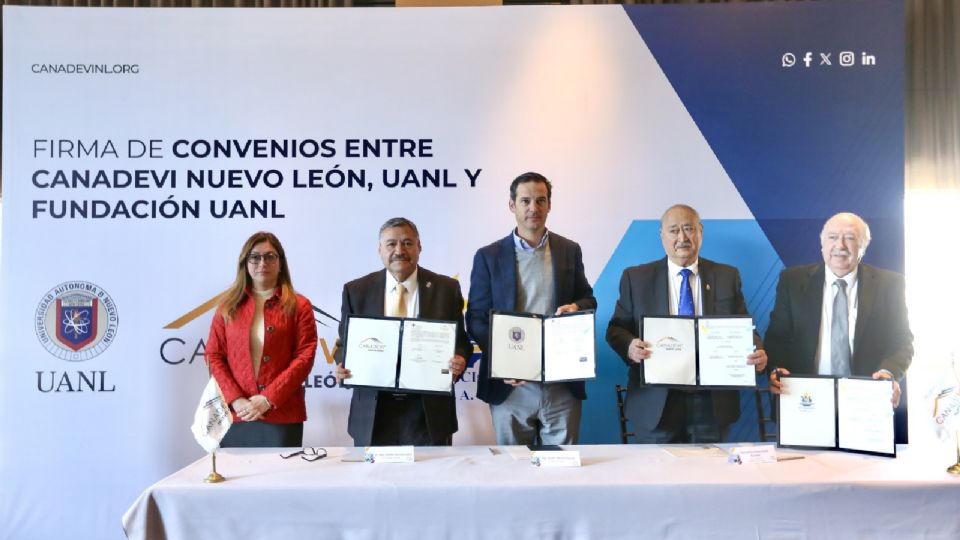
x,y
688,417
400,421
263,435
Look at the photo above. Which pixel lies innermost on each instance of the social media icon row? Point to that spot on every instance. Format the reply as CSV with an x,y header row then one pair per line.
x,y
844,59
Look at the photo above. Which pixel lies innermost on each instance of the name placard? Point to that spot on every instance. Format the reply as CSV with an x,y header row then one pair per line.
x,y
388,454
555,458
765,453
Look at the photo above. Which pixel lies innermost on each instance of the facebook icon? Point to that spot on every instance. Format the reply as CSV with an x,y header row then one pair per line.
x,y
807,58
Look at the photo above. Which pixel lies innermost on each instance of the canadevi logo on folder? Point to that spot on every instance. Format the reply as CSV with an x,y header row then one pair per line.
x,y
668,343
372,344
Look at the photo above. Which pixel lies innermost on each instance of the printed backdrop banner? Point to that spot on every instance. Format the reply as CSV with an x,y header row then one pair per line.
x,y
142,147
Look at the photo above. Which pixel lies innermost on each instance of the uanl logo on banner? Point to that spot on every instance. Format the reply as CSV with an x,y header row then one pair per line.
x,y
75,321
78,316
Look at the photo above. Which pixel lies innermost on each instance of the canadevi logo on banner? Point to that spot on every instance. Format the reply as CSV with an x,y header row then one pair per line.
x,y
75,321
184,350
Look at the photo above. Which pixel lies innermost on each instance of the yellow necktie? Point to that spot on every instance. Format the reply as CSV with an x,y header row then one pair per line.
x,y
400,301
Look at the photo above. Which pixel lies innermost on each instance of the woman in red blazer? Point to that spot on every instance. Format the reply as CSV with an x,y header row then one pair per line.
x,y
261,348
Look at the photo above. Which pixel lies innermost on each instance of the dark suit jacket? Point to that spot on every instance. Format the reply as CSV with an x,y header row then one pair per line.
x,y
440,299
493,285
881,338
644,290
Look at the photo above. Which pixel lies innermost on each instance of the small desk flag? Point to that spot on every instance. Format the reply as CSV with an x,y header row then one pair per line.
x,y
212,419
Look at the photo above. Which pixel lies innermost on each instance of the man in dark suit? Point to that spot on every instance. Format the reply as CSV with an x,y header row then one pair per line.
x,y
818,305
403,289
533,271
682,283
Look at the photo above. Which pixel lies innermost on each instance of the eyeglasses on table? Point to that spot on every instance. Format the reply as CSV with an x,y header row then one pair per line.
x,y
307,453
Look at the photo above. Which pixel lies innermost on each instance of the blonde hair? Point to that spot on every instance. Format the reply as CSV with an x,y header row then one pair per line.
x,y
237,293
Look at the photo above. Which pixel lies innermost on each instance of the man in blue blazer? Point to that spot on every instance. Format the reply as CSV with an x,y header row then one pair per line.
x,y
532,271
682,283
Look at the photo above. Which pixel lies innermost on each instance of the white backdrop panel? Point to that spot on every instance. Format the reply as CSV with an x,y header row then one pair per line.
x,y
571,92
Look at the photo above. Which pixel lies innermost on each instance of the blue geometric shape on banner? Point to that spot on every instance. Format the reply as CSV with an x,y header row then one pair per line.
x,y
799,142
740,243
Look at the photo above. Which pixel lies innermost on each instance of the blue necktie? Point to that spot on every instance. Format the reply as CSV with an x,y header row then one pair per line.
x,y
686,295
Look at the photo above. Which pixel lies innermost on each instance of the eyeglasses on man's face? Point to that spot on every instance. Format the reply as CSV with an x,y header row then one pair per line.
x,y
308,453
268,258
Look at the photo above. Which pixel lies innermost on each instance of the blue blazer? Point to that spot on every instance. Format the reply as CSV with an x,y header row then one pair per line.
x,y
493,285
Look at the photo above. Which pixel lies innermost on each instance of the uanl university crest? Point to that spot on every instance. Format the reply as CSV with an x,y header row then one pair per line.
x,y
76,320
77,314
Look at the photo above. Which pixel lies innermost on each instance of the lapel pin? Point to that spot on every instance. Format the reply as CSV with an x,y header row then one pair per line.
x,y
707,286
429,284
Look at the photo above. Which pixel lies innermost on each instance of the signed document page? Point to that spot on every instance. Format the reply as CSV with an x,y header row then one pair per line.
x,y
372,349
807,412
425,352
674,351
865,415
568,347
725,343
516,347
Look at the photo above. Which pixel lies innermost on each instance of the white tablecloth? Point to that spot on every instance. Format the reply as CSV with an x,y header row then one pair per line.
x,y
621,491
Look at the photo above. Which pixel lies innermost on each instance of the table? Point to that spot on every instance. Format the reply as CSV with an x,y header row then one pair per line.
x,y
621,491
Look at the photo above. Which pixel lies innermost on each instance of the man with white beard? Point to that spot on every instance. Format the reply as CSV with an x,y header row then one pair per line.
x,y
841,317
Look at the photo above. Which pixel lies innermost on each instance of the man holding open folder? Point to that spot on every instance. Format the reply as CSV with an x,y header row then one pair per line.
x,y
532,271
403,289
841,317
683,283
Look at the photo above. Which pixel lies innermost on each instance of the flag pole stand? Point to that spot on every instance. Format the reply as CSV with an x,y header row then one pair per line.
x,y
955,468
215,477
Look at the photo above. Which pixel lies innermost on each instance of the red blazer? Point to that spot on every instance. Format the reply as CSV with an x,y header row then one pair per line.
x,y
289,346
